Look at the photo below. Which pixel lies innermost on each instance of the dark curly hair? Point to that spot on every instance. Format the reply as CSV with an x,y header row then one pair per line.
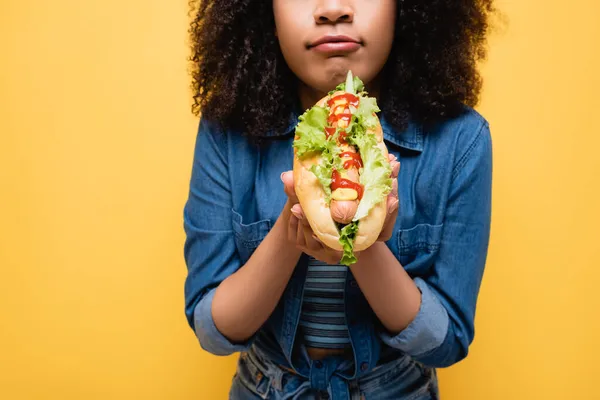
x,y
241,80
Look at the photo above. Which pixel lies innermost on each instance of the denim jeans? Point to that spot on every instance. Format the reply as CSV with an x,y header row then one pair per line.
x,y
403,378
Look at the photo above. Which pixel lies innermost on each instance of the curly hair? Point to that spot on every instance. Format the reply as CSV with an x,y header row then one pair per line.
x,y
241,80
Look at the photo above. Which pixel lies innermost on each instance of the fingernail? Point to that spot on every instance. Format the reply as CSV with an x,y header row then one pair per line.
x,y
296,213
281,176
394,206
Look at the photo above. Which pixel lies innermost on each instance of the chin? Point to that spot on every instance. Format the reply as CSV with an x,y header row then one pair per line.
x,y
335,70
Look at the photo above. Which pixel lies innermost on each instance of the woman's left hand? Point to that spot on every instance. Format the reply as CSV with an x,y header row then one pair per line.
x,y
392,202
301,233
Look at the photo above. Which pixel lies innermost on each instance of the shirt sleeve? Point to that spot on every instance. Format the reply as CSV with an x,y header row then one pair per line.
x,y
442,331
210,252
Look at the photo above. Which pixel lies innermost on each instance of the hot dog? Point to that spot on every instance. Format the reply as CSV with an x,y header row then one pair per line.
x,y
344,200
341,171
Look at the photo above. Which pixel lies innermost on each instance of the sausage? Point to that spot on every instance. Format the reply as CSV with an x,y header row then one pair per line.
x,y
343,211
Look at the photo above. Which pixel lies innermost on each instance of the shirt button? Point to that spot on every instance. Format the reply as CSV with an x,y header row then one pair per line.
x,y
319,364
364,366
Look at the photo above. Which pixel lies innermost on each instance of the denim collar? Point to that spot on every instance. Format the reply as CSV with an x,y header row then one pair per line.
x,y
411,138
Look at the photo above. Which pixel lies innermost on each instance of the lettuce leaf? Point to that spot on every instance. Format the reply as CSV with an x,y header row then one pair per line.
x,y
310,131
330,160
324,175
366,112
375,176
347,236
358,86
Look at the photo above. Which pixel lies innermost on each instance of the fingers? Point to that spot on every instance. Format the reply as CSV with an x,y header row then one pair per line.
x,y
330,256
388,229
392,201
297,211
305,238
395,164
300,242
394,192
393,204
309,239
390,220
395,169
316,238
287,178
292,228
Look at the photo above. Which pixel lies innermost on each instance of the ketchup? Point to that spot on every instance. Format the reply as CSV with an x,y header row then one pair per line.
x,y
349,97
345,116
342,137
338,182
355,159
330,130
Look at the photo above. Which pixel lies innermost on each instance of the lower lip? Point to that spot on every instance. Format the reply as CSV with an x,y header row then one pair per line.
x,y
337,47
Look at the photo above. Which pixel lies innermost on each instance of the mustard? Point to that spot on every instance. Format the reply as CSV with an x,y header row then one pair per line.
x,y
344,194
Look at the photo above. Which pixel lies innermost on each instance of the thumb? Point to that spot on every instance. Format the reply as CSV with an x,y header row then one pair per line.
x,y
288,186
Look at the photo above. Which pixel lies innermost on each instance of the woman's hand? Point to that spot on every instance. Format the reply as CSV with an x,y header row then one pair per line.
x,y
299,232
301,235
392,202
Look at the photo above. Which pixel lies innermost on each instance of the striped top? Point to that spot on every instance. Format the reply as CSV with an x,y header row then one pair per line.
x,y
322,320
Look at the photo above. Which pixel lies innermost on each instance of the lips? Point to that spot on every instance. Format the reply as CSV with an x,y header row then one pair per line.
x,y
335,44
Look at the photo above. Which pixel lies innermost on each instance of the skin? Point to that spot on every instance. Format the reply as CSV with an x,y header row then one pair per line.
x,y
299,23
246,299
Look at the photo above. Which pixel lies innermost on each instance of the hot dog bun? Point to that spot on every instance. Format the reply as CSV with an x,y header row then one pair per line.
x,y
312,199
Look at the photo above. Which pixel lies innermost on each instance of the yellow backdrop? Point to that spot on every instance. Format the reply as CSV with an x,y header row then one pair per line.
x,y
96,144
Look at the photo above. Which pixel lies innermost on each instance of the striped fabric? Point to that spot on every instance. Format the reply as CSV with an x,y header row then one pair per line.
x,y
322,320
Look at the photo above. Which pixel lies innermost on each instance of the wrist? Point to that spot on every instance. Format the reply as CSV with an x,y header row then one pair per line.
x,y
365,257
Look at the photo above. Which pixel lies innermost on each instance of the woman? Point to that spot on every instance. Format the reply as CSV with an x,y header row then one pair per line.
x,y
259,282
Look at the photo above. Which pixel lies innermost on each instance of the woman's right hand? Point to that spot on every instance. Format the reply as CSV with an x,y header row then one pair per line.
x,y
299,232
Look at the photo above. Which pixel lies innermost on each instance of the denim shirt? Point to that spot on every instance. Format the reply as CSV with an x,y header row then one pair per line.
x,y
440,238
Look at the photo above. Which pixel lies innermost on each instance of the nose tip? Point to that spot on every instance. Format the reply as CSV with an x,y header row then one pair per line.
x,y
327,20
332,13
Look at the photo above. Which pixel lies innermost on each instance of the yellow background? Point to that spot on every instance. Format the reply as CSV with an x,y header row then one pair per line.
x,y
96,142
